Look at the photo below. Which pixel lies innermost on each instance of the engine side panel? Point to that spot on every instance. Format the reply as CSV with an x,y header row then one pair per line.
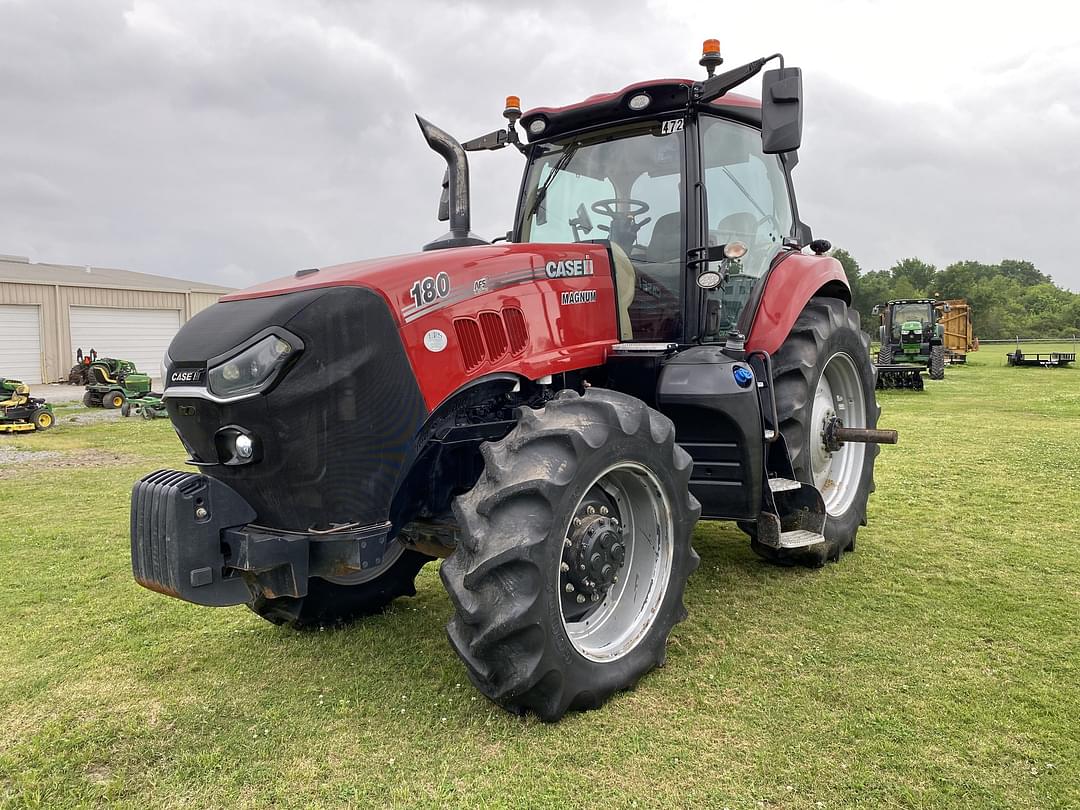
x,y
792,283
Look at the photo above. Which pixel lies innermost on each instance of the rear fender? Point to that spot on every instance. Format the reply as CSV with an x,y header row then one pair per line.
x,y
791,284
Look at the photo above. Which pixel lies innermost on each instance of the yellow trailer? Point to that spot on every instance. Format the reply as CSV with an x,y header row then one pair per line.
x,y
955,316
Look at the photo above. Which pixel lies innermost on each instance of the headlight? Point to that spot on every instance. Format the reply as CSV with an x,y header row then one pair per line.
x,y
252,369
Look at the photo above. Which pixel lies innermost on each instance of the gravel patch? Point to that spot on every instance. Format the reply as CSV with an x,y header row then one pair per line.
x,y
14,462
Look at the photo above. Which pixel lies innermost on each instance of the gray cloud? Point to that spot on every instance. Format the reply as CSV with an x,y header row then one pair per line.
x,y
235,142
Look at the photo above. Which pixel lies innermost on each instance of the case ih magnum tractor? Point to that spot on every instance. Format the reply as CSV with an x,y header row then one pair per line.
x,y
553,415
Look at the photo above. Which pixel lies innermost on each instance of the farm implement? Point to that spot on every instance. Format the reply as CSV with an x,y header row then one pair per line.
x,y
1047,360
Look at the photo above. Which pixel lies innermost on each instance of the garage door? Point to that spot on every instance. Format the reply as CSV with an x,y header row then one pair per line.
x,y
20,343
138,335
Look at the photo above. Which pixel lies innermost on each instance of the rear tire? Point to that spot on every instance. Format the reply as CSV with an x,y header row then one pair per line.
x,y
338,603
113,400
885,355
827,331
88,400
937,362
43,419
582,467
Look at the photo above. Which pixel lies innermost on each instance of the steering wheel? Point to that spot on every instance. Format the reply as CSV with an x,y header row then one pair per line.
x,y
606,208
624,225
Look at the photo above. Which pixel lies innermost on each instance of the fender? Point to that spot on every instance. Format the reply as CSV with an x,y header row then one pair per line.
x,y
792,282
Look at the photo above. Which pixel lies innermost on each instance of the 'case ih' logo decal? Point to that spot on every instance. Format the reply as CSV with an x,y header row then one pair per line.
x,y
579,297
186,376
566,269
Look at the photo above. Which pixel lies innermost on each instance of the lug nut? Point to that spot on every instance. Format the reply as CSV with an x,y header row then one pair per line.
x,y
567,543
580,599
591,510
201,513
596,597
569,587
564,567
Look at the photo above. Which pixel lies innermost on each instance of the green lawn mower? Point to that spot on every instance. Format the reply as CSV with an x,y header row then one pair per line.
x,y
149,406
912,339
20,412
113,382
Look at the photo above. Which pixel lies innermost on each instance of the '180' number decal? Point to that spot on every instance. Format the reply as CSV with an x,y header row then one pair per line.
x,y
430,289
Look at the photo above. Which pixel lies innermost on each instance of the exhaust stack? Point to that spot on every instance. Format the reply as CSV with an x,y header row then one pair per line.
x,y
454,204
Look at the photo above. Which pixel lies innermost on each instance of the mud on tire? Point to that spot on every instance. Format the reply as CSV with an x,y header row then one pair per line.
x,y
507,578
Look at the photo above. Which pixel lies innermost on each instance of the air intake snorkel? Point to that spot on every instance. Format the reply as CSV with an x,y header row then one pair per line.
x,y
454,203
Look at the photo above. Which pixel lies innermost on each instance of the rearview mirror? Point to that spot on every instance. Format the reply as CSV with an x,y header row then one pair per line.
x,y
781,110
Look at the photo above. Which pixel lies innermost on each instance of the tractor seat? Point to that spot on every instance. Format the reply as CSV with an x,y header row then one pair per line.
x,y
666,241
100,376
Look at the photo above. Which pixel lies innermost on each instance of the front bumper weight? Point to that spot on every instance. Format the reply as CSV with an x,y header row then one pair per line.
x,y
192,538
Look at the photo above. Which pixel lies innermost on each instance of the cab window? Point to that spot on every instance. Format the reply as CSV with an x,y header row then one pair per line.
x,y
746,201
625,186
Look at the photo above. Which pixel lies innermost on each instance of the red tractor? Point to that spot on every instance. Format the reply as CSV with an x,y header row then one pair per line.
x,y
650,346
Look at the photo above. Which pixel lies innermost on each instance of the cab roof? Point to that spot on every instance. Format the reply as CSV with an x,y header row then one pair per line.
x,y
666,96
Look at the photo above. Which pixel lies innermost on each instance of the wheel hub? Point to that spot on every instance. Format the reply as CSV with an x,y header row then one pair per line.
x,y
594,555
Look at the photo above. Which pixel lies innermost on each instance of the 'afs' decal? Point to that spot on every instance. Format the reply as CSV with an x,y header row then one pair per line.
x,y
579,297
566,269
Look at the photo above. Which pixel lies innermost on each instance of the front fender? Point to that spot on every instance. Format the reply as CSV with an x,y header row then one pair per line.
x,y
790,285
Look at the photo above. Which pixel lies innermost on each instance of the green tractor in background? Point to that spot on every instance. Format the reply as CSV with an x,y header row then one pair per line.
x,y
113,382
20,412
912,338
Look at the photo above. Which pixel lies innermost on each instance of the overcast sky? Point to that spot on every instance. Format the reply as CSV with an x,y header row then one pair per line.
x,y
237,141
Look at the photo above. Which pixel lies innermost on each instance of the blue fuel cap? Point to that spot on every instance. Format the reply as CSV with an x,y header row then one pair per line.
x,y
744,377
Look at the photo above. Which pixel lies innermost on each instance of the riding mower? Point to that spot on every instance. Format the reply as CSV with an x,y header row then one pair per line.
x,y
113,382
20,412
148,406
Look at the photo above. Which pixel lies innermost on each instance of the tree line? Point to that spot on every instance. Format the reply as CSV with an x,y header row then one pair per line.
x,y
1010,298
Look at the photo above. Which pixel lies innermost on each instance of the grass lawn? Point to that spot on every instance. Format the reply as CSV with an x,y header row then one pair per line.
x,y
937,666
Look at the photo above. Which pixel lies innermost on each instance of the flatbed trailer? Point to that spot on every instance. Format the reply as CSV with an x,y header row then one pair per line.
x,y
1048,360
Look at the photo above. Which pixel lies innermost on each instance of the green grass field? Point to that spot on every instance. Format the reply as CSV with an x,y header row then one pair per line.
x,y
937,666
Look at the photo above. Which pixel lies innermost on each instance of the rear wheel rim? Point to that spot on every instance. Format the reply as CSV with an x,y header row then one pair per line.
x,y
839,394
622,618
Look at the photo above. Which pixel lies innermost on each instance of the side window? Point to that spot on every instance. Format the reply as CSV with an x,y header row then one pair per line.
x,y
746,201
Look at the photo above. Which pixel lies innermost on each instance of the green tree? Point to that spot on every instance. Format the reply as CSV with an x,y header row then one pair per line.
x,y
918,274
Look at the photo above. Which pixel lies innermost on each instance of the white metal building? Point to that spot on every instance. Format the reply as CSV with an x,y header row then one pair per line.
x,y
49,311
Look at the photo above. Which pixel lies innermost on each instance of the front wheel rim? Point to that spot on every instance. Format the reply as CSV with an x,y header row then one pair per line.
x,y
839,395
621,618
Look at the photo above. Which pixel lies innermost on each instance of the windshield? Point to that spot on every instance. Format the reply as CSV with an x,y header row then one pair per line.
x,y
910,312
622,185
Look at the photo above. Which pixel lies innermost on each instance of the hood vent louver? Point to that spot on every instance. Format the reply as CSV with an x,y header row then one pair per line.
x,y
490,335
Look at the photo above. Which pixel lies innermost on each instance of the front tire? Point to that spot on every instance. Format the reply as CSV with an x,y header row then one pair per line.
x,y
937,362
574,554
333,603
43,419
823,370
